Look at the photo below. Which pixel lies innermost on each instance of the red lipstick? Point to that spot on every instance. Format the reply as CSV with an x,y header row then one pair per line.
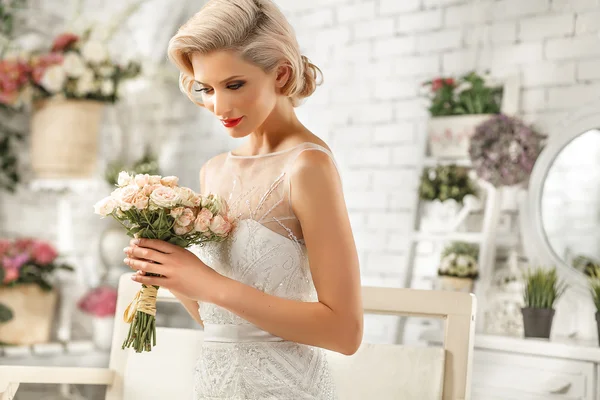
x,y
230,123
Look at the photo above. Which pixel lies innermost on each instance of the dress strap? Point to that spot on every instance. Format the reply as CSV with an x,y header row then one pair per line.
x,y
290,163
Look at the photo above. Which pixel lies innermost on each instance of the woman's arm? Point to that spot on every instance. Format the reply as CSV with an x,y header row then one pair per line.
x,y
190,305
335,322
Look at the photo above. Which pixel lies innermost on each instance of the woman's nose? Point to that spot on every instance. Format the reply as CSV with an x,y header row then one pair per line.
x,y
221,105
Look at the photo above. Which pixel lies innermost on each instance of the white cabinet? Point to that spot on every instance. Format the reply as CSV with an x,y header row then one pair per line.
x,y
506,368
506,376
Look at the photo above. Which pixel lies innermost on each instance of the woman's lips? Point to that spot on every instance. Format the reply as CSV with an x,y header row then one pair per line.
x,y
230,123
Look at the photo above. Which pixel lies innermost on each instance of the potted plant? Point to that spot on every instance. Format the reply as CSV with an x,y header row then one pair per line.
x,y
503,151
445,190
458,267
66,85
587,265
456,107
542,289
101,303
27,268
594,279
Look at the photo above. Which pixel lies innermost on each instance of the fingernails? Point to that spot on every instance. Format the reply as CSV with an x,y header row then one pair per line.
x,y
127,249
133,277
126,260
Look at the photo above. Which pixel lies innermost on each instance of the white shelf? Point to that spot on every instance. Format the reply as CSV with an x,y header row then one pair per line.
x,y
471,237
560,347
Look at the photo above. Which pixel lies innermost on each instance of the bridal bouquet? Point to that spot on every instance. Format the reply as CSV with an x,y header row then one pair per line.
x,y
155,207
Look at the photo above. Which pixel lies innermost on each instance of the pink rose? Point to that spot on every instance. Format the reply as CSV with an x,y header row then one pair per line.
x,y
43,253
15,262
186,218
124,179
148,189
170,181
142,180
202,223
177,212
220,226
154,179
182,230
5,245
10,275
140,200
164,197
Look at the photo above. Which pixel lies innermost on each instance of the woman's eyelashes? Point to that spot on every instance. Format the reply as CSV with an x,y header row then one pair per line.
x,y
232,86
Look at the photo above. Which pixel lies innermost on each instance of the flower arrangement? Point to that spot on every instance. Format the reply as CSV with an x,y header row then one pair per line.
x,y
467,95
542,288
75,67
445,182
503,150
27,261
99,302
459,259
155,207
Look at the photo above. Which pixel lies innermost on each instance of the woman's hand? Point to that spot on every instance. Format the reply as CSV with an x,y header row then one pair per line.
x,y
181,270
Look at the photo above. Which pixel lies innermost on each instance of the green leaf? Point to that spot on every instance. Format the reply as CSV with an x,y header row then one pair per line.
x,y
6,313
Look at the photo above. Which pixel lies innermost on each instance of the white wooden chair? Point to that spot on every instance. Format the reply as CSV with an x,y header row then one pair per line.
x,y
376,371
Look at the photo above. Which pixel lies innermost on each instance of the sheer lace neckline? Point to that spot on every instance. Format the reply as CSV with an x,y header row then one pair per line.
x,y
231,155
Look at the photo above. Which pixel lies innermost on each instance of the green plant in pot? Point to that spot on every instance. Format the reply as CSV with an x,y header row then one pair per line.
x,y
542,289
594,280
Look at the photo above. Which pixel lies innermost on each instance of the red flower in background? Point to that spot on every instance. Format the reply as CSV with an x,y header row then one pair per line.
x,y
438,83
14,74
43,253
101,301
63,41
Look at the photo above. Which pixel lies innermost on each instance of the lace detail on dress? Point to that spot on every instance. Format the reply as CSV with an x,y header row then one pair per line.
x,y
266,250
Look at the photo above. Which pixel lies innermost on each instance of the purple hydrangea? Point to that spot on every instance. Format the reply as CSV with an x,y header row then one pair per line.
x,y
503,150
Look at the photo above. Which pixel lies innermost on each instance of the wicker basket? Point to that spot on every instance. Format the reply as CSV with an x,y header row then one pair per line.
x,y
33,310
64,138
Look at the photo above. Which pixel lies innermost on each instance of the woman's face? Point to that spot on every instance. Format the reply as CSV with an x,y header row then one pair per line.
x,y
239,93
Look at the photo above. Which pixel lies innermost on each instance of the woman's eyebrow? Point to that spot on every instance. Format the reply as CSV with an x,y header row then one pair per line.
x,y
223,81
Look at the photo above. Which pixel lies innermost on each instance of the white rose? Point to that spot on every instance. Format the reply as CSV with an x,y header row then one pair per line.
x,y
94,52
73,65
106,71
108,87
187,196
124,179
54,79
170,181
105,206
86,83
164,197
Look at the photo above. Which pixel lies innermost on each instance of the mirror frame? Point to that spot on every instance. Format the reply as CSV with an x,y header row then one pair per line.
x,y
543,252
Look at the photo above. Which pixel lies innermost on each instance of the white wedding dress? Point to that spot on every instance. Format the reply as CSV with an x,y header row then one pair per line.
x,y
238,360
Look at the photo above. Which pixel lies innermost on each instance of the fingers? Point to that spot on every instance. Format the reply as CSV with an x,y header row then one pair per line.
x,y
145,266
145,253
151,280
155,244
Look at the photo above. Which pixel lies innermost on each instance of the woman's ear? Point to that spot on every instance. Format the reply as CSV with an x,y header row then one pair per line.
x,y
283,73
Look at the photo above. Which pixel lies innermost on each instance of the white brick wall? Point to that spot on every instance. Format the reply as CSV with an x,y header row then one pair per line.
x,y
374,55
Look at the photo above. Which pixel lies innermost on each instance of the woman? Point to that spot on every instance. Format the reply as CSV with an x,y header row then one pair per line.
x,y
286,283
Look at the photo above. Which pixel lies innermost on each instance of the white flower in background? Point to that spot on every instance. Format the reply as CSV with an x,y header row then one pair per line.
x,y
94,52
463,261
86,83
464,86
54,79
107,88
74,65
106,71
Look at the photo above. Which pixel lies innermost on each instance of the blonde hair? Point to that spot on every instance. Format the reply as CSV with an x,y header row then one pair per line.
x,y
258,30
